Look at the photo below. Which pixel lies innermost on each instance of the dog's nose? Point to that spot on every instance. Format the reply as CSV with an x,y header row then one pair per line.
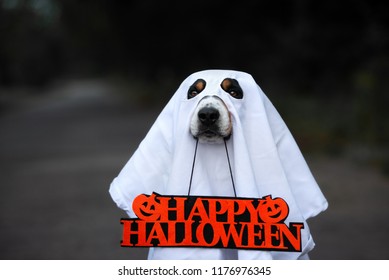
x,y
208,115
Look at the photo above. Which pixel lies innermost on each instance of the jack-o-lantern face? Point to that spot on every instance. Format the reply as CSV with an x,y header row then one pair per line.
x,y
146,207
273,210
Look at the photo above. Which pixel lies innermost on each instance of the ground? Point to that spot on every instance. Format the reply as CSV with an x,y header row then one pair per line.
x,y
60,150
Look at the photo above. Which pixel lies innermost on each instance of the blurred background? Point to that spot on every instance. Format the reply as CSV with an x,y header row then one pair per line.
x,y
81,82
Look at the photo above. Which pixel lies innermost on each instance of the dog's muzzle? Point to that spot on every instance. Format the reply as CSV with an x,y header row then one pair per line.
x,y
211,120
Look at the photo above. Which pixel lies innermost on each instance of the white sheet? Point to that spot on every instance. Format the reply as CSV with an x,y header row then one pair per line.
x,y
264,156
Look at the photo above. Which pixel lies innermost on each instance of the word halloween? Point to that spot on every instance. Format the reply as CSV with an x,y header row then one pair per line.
x,y
218,222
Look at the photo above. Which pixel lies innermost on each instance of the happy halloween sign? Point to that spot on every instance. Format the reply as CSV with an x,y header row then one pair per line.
x,y
218,222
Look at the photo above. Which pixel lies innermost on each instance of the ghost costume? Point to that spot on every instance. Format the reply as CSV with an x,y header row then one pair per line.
x,y
265,160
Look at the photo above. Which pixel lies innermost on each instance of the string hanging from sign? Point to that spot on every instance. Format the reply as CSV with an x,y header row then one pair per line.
x,y
194,162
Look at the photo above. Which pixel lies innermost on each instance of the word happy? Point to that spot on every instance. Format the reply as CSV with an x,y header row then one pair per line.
x,y
218,222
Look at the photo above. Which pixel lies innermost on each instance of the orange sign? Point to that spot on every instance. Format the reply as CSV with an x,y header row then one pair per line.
x,y
218,222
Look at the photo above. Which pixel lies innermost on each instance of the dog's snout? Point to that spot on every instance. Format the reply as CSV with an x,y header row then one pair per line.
x,y
208,115
211,120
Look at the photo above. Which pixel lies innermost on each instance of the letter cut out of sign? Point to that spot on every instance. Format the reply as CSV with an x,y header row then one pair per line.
x,y
218,222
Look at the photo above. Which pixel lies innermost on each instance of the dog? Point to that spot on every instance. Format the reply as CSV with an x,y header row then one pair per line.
x,y
259,159
211,120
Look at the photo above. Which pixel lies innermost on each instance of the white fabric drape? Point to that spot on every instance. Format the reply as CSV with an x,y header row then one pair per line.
x,y
264,157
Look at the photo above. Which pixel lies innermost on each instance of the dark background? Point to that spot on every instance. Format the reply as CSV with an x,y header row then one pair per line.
x,y
81,82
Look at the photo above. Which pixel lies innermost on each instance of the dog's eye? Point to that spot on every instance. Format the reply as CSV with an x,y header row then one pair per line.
x,y
233,93
196,88
232,87
192,93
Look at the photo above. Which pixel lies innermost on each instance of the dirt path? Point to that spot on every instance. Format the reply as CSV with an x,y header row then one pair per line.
x,y
59,153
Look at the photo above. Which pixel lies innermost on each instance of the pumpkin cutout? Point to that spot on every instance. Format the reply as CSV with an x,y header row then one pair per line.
x,y
273,210
146,207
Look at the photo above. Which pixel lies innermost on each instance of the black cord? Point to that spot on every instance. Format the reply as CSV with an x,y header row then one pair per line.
x,y
194,161
229,165
193,165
